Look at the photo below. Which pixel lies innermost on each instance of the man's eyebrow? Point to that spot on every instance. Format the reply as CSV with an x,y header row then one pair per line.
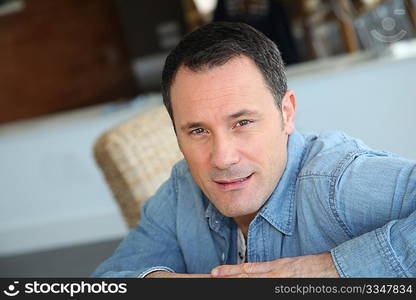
x,y
240,113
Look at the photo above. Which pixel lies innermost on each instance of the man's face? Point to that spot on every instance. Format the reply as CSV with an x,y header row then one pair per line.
x,y
232,134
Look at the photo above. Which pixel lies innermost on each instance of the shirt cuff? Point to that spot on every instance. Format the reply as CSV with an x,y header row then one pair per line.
x,y
368,255
154,269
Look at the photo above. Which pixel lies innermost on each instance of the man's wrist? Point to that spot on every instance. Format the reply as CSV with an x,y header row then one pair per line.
x,y
155,269
158,274
166,274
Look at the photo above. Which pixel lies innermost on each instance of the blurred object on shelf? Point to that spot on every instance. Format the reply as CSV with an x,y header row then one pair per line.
x,y
271,17
206,9
318,28
150,30
327,28
8,7
192,14
344,13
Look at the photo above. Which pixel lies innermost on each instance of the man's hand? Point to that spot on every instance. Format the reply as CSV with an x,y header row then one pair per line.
x,y
165,274
317,265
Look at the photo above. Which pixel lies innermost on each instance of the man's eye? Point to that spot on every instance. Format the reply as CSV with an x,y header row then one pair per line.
x,y
243,123
197,131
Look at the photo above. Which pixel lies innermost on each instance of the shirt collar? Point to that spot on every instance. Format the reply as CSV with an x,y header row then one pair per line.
x,y
214,217
278,210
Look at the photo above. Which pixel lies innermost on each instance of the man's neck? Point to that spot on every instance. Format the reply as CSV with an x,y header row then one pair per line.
x,y
243,223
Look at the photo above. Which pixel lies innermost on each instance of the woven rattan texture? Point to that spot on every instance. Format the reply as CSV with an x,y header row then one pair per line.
x,y
136,157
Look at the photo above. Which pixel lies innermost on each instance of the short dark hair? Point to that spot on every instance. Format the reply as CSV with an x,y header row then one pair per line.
x,y
215,44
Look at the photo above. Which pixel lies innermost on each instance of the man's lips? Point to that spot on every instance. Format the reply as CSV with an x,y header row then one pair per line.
x,y
232,184
224,181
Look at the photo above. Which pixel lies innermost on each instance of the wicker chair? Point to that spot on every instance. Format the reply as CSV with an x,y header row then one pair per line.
x,y
136,157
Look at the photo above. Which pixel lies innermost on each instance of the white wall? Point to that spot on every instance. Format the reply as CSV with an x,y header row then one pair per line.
x,y
53,195
373,100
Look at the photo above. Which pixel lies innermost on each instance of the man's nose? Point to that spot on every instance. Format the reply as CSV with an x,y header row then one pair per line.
x,y
224,152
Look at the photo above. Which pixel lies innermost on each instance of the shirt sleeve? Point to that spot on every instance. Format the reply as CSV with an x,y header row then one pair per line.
x,y
375,200
152,245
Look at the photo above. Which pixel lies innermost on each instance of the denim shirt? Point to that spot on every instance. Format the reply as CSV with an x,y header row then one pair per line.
x,y
336,194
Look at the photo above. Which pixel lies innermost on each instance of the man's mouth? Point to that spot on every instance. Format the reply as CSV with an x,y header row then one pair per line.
x,y
234,183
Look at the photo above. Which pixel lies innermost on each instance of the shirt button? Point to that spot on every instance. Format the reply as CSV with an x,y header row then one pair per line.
x,y
223,257
216,222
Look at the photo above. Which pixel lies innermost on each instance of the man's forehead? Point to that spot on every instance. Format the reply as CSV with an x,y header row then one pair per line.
x,y
220,107
225,90
232,77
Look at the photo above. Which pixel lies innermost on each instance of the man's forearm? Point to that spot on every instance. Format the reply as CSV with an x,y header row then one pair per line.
x,y
385,252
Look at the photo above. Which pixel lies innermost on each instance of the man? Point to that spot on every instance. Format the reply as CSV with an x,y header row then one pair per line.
x,y
254,197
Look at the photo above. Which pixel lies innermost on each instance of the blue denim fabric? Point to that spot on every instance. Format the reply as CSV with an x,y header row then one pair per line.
x,y
336,194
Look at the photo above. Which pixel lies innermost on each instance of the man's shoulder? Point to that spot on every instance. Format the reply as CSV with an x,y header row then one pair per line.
x,y
178,178
180,186
329,151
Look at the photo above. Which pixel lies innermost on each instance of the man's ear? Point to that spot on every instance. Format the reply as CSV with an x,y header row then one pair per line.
x,y
288,112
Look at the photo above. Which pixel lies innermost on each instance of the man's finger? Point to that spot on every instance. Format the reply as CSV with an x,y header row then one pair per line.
x,y
245,268
226,270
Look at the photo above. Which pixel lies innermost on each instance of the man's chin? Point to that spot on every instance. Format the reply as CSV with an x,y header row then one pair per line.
x,y
237,210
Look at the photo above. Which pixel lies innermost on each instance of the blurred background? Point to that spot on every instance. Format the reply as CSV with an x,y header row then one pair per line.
x,y
72,69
